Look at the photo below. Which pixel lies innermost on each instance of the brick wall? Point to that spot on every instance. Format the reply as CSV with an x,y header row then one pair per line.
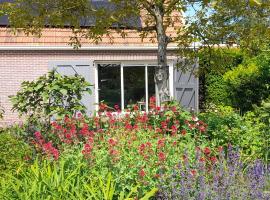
x,y
19,66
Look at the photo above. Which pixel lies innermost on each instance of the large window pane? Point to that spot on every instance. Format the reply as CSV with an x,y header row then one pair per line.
x,y
109,83
151,83
134,86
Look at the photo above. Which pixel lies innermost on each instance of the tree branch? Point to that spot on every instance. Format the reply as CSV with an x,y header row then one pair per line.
x,y
171,6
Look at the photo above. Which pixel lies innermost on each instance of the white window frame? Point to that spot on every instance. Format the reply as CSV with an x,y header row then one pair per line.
x,y
132,64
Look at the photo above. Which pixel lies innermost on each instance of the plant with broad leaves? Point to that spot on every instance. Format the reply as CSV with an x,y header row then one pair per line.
x,y
51,95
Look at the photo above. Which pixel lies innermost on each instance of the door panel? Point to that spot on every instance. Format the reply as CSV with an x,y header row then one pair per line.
x,y
186,87
83,68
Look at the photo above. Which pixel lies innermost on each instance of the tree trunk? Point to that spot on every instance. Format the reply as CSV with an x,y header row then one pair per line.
x,y
161,71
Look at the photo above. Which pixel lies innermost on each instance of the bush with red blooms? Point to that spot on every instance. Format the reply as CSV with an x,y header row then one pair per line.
x,y
136,147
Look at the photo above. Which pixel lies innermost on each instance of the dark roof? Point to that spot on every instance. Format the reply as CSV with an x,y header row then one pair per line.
x,y
133,21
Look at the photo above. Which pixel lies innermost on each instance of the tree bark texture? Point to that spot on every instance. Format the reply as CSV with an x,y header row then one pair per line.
x,y
161,71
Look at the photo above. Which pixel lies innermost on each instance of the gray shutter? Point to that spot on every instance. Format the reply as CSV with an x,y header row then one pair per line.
x,y
83,68
186,87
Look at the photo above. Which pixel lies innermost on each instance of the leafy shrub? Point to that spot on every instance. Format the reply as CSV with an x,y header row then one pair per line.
x,y
226,179
216,91
70,178
14,151
259,119
213,64
248,83
248,132
220,121
134,147
51,95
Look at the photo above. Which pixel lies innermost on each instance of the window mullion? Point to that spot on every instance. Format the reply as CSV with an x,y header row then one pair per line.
x,y
122,88
146,88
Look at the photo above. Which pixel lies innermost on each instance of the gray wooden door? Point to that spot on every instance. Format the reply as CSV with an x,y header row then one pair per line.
x,y
186,87
83,68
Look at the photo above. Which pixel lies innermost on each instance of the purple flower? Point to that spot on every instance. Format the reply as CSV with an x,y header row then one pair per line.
x,y
227,179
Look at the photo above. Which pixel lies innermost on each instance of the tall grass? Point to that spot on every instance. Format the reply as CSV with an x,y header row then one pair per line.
x,y
69,178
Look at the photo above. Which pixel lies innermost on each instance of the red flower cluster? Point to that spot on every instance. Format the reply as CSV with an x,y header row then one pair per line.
x,y
112,142
161,143
152,102
142,173
47,147
88,146
208,156
161,156
145,150
103,107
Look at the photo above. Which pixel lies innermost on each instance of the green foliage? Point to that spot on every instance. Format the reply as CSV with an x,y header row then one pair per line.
x,y
219,60
260,118
220,121
248,83
14,150
216,90
213,64
136,148
51,95
235,22
249,133
70,178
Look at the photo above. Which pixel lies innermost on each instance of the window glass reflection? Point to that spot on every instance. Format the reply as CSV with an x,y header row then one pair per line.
x,y
134,86
109,82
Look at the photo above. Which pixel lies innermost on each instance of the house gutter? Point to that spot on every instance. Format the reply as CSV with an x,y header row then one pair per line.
x,y
84,48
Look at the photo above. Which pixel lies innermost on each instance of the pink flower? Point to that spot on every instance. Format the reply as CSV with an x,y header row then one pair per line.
x,y
116,107
164,125
161,156
68,136
135,107
113,152
193,172
142,173
54,124
220,149
158,130
161,143
202,128
128,126
173,108
213,159
102,106
202,159
149,144
55,153
183,132
207,150
142,148
37,134
112,142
